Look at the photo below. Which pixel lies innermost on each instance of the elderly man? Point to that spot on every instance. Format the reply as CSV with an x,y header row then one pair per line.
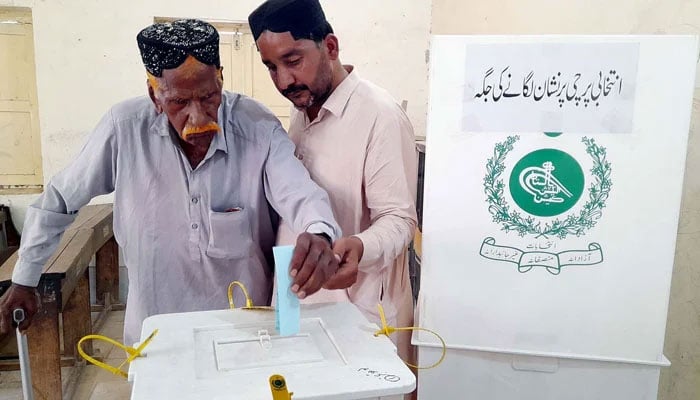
x,y
200,178
358,145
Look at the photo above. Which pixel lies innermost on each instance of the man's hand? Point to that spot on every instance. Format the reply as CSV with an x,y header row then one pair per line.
x,y
350,250
18,296
312,264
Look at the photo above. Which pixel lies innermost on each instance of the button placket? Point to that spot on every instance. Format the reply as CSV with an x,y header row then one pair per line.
x,y
195,215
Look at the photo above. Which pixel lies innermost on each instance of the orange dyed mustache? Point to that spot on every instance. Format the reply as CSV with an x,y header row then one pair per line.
x,y
197,130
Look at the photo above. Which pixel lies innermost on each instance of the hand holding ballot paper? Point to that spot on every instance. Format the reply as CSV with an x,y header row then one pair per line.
x,y
312,264
300,270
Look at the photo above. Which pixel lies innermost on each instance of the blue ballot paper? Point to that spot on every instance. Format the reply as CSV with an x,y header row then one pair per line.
x,y
287,305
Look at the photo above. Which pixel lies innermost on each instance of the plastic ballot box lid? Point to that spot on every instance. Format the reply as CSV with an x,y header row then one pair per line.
x,y
231,354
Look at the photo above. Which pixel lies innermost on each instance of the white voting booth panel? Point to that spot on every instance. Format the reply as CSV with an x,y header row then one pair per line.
x,y
230,354
554,170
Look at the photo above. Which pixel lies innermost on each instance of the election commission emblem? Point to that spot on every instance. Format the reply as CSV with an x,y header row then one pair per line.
x,y
546,196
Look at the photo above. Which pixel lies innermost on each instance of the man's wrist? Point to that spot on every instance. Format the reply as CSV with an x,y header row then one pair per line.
x,y
325,236
360,246
25,287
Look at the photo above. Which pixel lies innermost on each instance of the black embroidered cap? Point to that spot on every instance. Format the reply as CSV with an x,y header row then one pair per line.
x,y
167,45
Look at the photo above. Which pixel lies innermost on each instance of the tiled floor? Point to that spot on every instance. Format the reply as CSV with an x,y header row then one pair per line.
x,y
93,383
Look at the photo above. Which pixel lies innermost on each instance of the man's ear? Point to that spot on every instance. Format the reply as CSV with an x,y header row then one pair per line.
x,y
220,76
152,95
331,44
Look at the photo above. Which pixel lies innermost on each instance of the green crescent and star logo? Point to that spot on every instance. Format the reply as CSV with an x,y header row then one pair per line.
x,y
545,185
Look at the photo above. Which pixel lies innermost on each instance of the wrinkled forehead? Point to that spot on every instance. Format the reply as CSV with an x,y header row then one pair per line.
x,y
191,68
192,78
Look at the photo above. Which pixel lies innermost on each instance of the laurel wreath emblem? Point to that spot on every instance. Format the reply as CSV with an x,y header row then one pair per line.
x,y
573,224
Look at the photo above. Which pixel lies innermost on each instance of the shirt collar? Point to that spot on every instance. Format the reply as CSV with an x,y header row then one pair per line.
x,y
220,139
160,125
337,101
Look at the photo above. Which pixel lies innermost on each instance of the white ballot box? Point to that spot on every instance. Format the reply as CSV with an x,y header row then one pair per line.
x,y
231,354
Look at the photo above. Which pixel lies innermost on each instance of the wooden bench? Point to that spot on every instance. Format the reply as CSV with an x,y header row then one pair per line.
x,y
65,291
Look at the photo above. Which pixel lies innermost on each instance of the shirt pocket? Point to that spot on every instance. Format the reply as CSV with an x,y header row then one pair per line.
x,y
230,235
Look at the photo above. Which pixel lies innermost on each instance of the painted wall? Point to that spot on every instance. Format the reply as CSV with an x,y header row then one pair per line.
x,y
682,380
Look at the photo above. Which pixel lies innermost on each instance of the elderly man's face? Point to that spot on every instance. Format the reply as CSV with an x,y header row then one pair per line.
x,y
300,69
190,96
